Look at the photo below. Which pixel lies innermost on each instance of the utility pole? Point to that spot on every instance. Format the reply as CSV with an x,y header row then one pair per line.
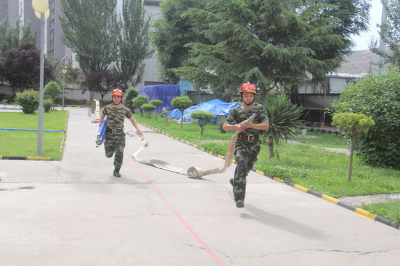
x,y
381,42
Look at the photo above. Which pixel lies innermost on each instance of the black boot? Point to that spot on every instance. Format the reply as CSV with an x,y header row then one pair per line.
x,y
239,204
116,173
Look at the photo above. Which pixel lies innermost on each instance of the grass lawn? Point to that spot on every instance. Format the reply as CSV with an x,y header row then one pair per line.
x,y
313,168
24,143
390,210
323,139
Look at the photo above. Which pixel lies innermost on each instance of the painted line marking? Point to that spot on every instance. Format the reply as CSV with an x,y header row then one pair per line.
x,y
175,212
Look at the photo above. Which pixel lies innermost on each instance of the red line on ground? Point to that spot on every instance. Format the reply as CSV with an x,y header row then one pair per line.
x,y
190,229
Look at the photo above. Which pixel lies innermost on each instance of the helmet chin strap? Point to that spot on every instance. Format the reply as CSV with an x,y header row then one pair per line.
x,y
248,104
117,103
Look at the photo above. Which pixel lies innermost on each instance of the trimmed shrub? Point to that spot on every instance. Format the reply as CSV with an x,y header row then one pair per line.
x,y
130,94
148,107
203,118
28,100
47,104
51,90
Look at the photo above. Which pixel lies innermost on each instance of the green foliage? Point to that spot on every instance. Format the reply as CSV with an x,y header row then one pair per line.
x,y
390,34
89,29
139,101
129,95
47,104
9,98
52,90
220,122
283,117
171,50
156,103
4,101
28,100
133,40
148,107
203,118
266,42
181,103
353,124
378,96
13,36
164,114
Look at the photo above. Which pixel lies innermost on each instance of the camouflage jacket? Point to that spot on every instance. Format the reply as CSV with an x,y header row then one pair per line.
x,y
238,114
116,116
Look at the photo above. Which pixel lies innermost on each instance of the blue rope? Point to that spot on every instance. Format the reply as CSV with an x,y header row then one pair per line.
x,y
19,129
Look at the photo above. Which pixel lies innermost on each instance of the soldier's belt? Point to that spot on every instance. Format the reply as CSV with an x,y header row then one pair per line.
x,y
249,137
115,131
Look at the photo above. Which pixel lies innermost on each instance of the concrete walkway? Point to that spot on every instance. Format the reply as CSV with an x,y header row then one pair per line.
x,y
73,212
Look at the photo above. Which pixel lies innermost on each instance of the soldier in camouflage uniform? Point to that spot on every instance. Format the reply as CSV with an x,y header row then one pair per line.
x,y
115,135
248,143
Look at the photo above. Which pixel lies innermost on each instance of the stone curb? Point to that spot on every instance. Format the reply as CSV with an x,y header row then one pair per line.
x,y
360,211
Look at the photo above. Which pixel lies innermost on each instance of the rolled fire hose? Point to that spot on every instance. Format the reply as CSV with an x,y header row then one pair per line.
x,y
193,171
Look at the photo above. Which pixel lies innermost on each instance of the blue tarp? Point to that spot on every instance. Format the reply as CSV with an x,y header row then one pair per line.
x,y
217,107
164,93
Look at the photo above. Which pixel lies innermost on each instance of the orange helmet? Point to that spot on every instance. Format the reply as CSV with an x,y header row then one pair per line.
x,y
248,87
117,92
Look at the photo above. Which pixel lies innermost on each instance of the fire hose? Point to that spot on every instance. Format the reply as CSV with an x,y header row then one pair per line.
x,y
193,171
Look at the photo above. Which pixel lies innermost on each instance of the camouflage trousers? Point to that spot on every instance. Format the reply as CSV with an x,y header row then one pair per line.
x,y
246,156
115,144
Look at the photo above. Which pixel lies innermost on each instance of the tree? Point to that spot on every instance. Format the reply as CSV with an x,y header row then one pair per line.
x,y
378,96
148,107
171,50
104,82
268,42
133,40
139,101
52,90
390,34
283,117
130,94
203,118
181,103
89,30
13,36
21,67
156,103
353,125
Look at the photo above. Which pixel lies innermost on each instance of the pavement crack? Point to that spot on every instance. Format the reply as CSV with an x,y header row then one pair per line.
x,y
216,251
346,251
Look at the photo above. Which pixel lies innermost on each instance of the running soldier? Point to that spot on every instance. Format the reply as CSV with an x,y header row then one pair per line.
x,y
248,143
115,135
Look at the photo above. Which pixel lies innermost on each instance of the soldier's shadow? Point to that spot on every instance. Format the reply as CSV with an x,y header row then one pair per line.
x,y
281,222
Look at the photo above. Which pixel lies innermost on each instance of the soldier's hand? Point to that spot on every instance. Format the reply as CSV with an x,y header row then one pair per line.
x,y
246,124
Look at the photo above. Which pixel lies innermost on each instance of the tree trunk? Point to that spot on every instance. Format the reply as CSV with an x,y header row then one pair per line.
x,y
353,142
181,119
271,148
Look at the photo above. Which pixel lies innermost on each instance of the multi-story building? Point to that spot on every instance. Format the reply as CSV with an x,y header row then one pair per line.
x,y
54,47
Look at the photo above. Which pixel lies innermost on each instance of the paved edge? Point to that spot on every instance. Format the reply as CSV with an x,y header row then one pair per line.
x,y
360,211
26,158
